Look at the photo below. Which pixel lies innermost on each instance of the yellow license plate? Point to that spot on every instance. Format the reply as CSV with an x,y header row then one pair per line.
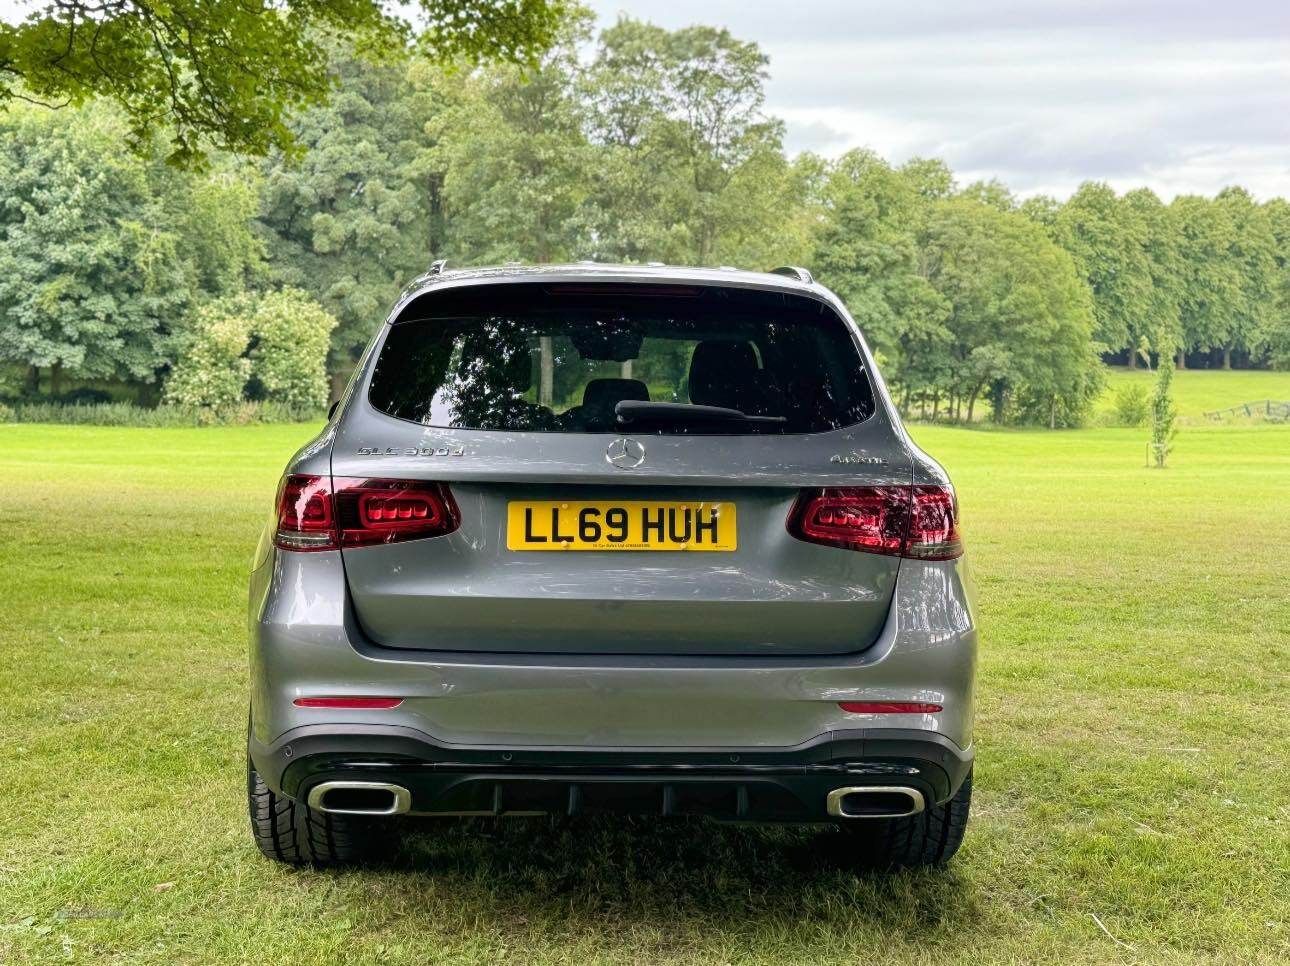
x,y
619,525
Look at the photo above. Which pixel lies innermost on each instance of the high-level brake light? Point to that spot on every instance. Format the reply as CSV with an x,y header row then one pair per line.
x,y
901,521
318,513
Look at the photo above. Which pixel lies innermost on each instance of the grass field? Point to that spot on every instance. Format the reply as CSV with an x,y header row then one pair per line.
x,y
1132,743
1198,391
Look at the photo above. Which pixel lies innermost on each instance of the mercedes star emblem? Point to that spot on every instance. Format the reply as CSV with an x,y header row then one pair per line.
x,y
626,454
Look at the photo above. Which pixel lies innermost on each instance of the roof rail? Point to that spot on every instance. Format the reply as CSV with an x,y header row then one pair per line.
x,y
438,265
793,271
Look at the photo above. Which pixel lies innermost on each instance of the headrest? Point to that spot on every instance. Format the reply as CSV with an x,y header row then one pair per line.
x,y
608,393
601,396
724,373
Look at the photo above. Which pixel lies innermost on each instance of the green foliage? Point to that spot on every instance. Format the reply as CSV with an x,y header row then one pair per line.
x,y
354,219
104,250
1132,405
1020,318
1157,231
1253,255
643,144
228,73
91,265
1163,414
512,156
289,358
239,413
1271,336
1108,245
212,368
1210,292
280,339
867,250
687,167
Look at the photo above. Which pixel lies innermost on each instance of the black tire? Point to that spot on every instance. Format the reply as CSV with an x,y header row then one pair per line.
x,y
929,838
288,831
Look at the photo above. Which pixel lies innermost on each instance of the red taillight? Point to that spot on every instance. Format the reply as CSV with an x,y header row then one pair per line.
x,y
910,521
933,523
889,707
305,517
387,511
317,514
354,703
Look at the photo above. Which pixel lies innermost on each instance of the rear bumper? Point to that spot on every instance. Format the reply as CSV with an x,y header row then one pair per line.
x,y
753,784
304,642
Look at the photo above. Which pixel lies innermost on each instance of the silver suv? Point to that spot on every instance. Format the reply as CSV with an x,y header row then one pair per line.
x,y
612,538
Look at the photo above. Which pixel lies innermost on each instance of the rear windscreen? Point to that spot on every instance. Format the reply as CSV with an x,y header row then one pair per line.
x,y
562,358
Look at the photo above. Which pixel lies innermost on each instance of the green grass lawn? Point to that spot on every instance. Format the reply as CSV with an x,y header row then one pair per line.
x,y
1198,391
1132,743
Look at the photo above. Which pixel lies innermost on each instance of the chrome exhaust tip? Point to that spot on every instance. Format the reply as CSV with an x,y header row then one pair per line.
x,y
875,801
360,798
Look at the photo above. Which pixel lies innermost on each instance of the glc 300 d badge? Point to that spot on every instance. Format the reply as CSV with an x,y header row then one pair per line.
x,y
411,451
626,454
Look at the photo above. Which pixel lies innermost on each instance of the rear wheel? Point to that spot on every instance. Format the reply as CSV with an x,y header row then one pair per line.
x,y
929,838
289,831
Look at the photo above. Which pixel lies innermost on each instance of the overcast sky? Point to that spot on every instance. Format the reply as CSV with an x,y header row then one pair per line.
x,y
1179,95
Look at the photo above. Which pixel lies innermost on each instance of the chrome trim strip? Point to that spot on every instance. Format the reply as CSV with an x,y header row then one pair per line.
x,y
401,805
835,808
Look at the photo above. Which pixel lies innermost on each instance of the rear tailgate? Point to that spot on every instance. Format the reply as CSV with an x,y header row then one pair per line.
x,y
468,591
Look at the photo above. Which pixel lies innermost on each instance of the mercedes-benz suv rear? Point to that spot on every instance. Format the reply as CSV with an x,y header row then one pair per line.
x,y
598,538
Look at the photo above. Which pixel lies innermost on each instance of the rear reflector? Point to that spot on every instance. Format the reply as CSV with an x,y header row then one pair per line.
x,y
315,513
889,707
356,703
900,521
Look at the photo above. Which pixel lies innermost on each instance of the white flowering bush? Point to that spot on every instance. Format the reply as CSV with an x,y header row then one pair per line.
x,y
292,335
211,369
279,338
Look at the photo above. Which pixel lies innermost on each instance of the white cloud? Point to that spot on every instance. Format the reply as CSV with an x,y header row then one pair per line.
x,y
1182,96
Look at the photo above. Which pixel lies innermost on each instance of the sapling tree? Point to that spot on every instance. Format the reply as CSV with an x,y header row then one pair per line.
x,y
1163,412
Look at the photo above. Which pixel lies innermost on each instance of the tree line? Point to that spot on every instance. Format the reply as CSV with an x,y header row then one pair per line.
x,y
639,144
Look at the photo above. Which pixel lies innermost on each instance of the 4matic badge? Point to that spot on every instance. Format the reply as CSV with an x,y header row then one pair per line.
x,y
411,451
855,458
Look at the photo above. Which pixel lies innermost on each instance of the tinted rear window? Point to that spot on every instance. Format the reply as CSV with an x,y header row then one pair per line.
x,y
559,358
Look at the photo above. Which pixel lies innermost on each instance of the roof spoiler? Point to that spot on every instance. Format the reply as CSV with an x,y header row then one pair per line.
x,y
794,271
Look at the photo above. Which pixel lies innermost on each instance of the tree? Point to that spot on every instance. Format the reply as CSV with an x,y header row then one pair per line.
x,y
1019,319
1210,287
993,193
1163,413
513,155
103,251
1271,337
351,221
1158,235
212,367
230,72
866,251
931,178
688,169
1253,252
1108,244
